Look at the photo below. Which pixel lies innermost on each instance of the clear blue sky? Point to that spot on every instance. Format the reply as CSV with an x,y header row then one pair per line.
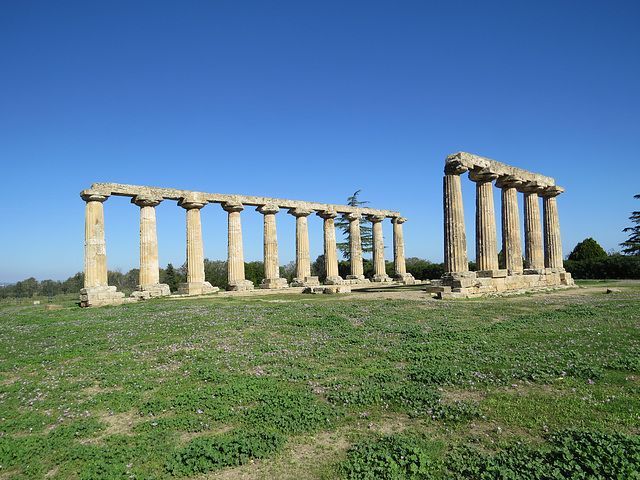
x,y
306,100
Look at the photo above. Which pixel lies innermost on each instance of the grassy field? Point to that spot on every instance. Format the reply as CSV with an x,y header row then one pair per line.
x,y
323,387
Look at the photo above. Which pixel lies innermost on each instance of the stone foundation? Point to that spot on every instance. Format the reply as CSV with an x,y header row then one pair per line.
x,y
328,289
405,279
475,284
240,286
305,282
98,296
273,283
145,292
196,288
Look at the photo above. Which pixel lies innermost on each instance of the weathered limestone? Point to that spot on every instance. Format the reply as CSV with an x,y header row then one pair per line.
x,y
330,249
271,265
399,265
235,260
511,243
379,265
149,282
552,242
457,282
303,276
96,291
355,247
196,284
533,246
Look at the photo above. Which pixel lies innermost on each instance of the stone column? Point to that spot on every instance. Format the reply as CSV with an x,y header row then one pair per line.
x,y
196,284
552,242
511,242
379,266
235,255
400,269
486,238
149,281
330,250
533,245
355,247
455,240
271,265
96,291
303,276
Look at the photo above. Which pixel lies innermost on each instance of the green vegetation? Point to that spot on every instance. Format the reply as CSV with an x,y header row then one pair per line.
x,y
325,387
586,250
632,245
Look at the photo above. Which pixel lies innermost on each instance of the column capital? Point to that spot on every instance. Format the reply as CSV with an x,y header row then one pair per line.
x,y
91,196
482,175
327,214
508,181
530,187
352,216
551,191
146,201
375,218
232,206
399,220
455,168
268,208
189,203
300,212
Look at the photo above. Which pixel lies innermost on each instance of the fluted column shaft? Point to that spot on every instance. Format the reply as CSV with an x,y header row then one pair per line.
x,y
552,241
379,267
195,253
455,239
95,247
303,260
399,265
149,263
271,263
330,250
511,241
486,237
533,244
235,254
355,244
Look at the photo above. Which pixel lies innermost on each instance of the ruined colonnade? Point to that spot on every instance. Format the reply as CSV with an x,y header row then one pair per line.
x,y
96,291
542,265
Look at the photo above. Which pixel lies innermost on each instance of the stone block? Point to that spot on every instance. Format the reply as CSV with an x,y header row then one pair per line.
x,y
52,307
273,283
240,286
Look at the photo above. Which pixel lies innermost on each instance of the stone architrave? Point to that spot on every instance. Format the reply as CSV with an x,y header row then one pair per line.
x,y
511,242
533,244
379,265
486,237
271,265
355,247
149,281
455,239
399,265
303,276
330,249
235,260
552,241
96,291
196,284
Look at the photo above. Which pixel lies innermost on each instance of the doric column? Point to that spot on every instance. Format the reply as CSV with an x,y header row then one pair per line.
x,y
196,284
399,266
271,265
533,245
511,242
303,276
455,239
96,291
486,238
235,257
149,280
330,250
355,247
552,241
379,266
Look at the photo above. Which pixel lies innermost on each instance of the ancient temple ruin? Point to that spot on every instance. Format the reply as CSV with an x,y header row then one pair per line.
x,y
542,266
96,291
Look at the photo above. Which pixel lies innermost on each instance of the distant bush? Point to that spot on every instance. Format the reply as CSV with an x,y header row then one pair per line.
x,y
615,266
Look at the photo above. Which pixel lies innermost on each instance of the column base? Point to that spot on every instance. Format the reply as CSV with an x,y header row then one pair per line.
x,y
240,286
305,282
145,292
272,283
356,280
196,288
534,271
334,280
500,273
99,296
382,278
404,278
